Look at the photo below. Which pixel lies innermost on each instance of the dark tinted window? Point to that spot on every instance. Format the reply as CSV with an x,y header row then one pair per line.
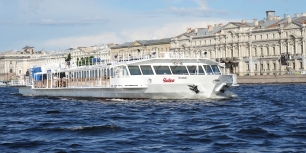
x,y
216,70
146,70
179,70
208,69
134,70
162,70
193,70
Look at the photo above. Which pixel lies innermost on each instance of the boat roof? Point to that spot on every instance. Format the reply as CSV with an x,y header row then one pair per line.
x,y
150,61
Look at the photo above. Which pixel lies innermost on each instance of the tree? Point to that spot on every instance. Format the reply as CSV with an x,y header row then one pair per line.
x,y
68,57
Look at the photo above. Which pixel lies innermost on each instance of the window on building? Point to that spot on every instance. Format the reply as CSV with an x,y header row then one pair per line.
x,y
268,66
255,66
267,36
273,35
274,53
302,49
11,70
301,65
19,71
10,62
293,65
274,66
261,67
260,37
248,67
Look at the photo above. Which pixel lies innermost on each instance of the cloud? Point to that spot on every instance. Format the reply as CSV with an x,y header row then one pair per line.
x,y
51,22
82,40
167,30
202,10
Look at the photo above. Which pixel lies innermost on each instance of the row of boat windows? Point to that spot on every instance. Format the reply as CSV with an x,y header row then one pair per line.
x,y
175,70
150,70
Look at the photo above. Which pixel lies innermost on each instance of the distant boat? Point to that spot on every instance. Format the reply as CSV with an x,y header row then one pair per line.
x,y
149,77
3,83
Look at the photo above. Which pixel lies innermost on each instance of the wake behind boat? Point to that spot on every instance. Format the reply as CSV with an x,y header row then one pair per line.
x,y
169,77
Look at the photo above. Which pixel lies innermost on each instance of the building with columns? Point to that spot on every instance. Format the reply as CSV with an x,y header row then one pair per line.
x,y
14,64
251,48
141,48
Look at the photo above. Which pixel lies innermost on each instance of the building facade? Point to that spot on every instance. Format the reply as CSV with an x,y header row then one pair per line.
x,y
251,48
140,48
14,64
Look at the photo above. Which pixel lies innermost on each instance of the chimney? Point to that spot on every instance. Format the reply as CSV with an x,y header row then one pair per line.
x,y
243,21
303,14
255,22
289,20
270,15
296,15
196,31
278,17
286,16
188,30
210,28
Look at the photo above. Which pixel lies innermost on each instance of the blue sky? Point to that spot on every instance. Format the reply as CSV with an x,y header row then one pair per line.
x,y
60,24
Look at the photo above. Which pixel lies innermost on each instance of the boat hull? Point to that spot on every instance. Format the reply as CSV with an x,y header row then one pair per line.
x,y
202,87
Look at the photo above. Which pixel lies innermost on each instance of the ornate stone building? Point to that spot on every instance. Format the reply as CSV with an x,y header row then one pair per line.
x,y
14,64
251,48
141,48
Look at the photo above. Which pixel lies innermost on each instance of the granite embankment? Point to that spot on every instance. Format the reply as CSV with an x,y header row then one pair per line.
x,y
257,79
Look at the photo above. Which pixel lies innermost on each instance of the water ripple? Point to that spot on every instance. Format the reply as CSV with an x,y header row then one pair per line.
x,y
261,118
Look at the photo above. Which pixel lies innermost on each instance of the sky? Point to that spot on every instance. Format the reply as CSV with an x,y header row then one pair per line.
x,y
54,25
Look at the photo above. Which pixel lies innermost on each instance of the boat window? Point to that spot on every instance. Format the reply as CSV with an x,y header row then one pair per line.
x,y
162,70
179,70
216,69
208,70
193,70
146,70
134,70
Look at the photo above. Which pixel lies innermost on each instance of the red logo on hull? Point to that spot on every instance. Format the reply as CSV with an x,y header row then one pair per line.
x,y
168,80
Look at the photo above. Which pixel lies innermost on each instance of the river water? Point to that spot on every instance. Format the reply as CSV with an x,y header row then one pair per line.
x,y
262,118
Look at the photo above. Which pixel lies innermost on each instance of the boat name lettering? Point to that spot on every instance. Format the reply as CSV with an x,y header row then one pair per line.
x,y
168,80
182,77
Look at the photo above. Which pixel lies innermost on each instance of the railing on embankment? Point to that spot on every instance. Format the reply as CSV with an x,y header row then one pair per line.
x,y
257,79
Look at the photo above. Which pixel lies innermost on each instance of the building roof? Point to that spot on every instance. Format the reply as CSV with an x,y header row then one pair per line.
x,y
144,42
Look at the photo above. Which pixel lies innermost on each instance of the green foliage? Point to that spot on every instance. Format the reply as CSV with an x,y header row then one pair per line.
x,y
69,57
85,61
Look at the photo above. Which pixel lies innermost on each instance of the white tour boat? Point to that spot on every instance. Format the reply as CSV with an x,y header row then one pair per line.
x,y
149,77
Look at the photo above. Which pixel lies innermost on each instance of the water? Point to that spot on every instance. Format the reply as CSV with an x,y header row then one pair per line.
x,y
263,118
